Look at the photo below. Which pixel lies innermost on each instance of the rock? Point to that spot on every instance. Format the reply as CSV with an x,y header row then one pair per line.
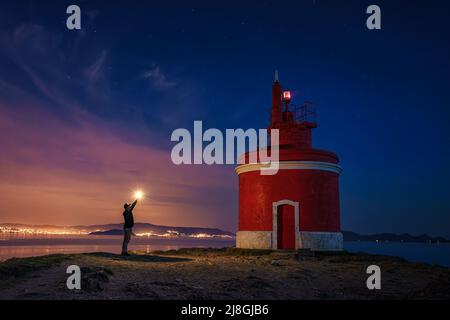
x,y
277,263
94,279
140,291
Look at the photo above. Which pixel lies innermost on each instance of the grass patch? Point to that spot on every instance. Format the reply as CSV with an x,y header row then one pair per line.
x,y
193,251
233,251
332,253
18,267
345,256
230,251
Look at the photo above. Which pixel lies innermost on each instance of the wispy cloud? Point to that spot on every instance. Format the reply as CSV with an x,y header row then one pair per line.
x,y
41,57
94,72
34,38
158,79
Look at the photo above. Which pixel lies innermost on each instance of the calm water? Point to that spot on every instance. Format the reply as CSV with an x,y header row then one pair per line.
x,y
417,252
26,246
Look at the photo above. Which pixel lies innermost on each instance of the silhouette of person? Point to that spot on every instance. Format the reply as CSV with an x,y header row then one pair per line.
x,y
127,226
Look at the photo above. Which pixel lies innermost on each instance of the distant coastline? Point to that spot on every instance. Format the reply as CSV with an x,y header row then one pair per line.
x,y
392,237
139,229
153,230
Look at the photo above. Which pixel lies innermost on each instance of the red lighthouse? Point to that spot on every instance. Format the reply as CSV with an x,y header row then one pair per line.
x,y
298,207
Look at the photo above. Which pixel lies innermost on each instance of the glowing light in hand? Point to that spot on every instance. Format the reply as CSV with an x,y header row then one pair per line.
x,y
139,194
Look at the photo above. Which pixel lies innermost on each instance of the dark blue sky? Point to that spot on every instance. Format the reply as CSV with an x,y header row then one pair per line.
x,y
145,69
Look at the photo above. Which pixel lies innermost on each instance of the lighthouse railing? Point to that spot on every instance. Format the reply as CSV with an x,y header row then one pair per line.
x,y
305,112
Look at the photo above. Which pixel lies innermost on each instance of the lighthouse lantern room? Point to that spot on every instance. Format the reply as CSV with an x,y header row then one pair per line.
x,y
298,207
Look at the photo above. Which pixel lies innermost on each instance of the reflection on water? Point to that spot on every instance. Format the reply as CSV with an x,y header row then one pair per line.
x,y
14,245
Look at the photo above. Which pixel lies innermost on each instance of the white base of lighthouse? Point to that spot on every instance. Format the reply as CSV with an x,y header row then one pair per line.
x,y
316,241
254,239
321,241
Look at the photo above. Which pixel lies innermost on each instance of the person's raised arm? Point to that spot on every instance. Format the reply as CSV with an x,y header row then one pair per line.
x,y
133,204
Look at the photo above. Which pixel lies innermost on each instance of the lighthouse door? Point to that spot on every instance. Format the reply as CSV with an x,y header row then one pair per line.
x,y
286,227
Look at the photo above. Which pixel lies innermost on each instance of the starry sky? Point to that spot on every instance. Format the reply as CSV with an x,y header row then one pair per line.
x,y
86,115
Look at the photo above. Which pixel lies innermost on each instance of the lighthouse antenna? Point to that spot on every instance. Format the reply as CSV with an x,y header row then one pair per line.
x,y
276,76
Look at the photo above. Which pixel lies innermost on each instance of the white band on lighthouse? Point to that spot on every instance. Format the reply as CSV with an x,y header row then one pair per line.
x,y
316,241
293,165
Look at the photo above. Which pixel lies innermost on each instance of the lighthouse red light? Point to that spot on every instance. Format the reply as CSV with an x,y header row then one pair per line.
x,y
287,96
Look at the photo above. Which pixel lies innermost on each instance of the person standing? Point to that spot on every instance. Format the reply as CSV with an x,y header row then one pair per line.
x,y
127,226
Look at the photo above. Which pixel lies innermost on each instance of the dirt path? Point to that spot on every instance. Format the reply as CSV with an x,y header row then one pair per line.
x,y
216,274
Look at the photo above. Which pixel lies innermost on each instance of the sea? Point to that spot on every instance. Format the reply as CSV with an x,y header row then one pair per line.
x,y
21,245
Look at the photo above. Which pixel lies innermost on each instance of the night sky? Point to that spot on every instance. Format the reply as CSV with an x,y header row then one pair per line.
x,y
86,116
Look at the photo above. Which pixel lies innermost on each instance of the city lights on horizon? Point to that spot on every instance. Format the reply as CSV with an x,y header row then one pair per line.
x,y
65,232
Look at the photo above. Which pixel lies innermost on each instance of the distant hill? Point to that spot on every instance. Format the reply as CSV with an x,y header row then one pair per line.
x,y
113,232
391,237
157,230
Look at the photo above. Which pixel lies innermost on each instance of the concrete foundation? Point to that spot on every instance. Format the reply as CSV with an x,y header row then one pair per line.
x,y
321,241
316,241
254,239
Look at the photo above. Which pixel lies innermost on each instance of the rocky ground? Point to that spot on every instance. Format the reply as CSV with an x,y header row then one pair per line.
x,y
221,274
